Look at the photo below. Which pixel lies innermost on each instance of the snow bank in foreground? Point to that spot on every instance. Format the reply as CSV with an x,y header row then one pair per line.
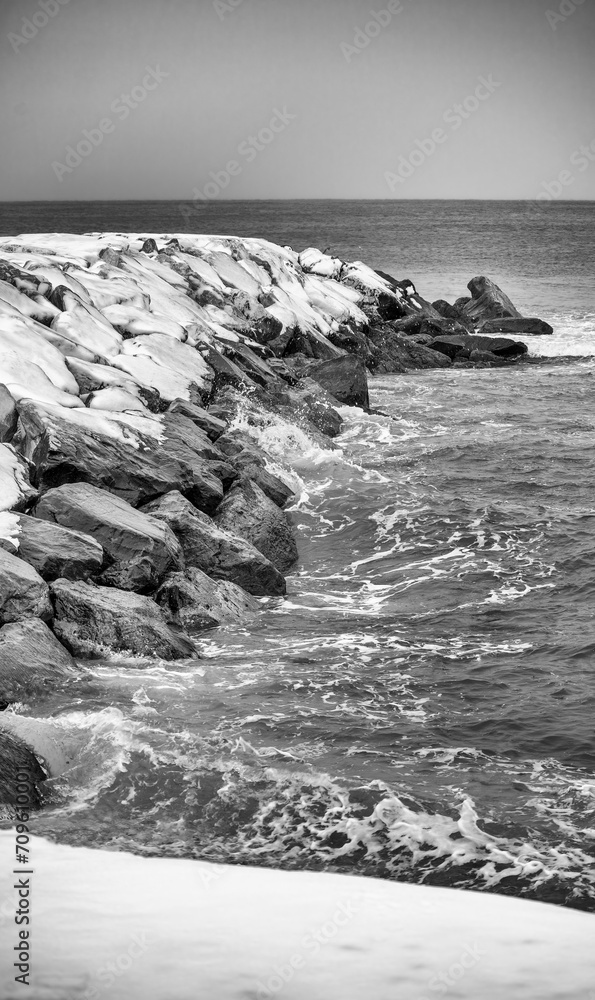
x,y
112,924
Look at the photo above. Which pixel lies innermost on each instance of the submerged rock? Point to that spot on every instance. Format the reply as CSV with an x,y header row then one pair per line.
x,y
248,512
23,593
198,602
91,620
31,660
345,379
221,554
140,550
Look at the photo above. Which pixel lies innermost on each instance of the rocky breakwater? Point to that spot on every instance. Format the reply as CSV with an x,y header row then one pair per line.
x,y
135,511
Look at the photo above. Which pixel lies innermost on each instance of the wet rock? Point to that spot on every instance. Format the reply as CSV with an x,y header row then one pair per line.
x,y
91,620
248,512
250,464
23,593
140,550
453,346
8,415
351,340
345,378
16,757
488,301
221,554
226,372
206,421
198,602
528,326
31,660
135,459
402,354
56,551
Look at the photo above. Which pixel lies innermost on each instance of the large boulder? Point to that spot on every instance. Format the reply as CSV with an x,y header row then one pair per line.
x,y
248,512
488,301
17,758
221,554
31,660
249,460
197,602
345,378
207,422
140,550
135,457
455,346
525,326
8,415
23,593
402,354
56,551
92,621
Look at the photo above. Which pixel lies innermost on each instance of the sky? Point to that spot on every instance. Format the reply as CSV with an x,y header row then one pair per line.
x,y
182,99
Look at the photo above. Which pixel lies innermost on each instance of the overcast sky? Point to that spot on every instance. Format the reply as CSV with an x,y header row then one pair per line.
x,y
348,120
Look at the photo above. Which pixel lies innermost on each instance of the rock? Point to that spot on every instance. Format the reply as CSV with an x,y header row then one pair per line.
x,y
8,415
453,346
135,457
207,422
221,554
488,301
31,660
198,602
528,326
17,758
140,550
23,593
248,512
16,492
486,358
344,378
90,620
226,372
351,340
57,551
402,354
273,487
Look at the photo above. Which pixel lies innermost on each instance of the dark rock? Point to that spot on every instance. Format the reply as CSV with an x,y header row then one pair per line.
x,y
226,372
63,451
31,660
110,256
345,378
140,550
202,418
8,415
504,348
221,554
461,303
23,593
488,301
255,367
248,512
58,551
91,620
486,358
149,246
403,354
310,406
528,326
351,340
17,758
182,434
197,602
273,487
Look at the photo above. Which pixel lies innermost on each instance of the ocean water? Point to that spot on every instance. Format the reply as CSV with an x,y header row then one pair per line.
x,y
421,705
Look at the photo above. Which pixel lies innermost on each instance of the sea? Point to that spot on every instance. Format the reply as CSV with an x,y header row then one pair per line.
x,y
421,706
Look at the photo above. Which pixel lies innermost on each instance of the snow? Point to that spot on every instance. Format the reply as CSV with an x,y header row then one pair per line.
x,y
190,930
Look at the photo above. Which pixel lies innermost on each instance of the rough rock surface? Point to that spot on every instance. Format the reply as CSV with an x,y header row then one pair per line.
x,y
56,551
220,554
344,378
140,550
488,301
15,757
136,460
23,593
453,347
198,602
91,620
524,326
8,415
31,660
248,512
207,422
402,354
